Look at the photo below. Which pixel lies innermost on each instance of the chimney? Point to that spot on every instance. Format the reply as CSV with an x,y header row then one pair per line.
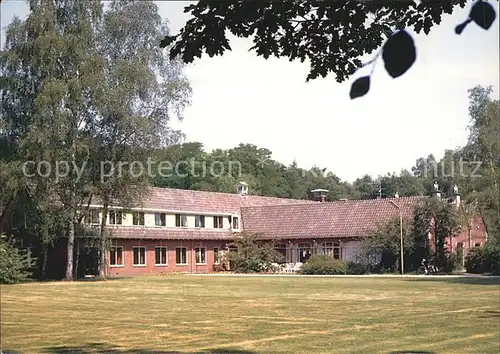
x,y
242,188
319,195
435,191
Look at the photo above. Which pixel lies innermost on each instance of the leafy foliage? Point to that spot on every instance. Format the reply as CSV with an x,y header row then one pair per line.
x,y
331,35
386,241
248,254
323,264
440,219
13,264
484,259
90,88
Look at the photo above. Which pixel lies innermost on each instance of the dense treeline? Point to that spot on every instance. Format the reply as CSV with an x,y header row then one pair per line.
x,y
474,168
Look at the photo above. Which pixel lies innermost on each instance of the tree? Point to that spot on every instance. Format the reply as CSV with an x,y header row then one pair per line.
x,y
13,264
483,147
249,254
332,35
49,63
438,219
142,90
385,241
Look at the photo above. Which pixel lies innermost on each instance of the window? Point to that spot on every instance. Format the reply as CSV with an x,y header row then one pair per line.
x,y
116,256
281,249
115,217
161,256
327,248
336,251
236,222
218,222
139,256
92,217
181,220
160,219
304,252
477,245
138,218
199,220
216,255
181,255
200,255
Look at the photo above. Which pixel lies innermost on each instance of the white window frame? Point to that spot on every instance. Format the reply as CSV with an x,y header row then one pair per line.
x,y
116,213
166,256
123,258
218,218
145,256
89,220
160,219
327,246
138,213
237,221
337,245
187,256
303,247
183,220
204,253
201,217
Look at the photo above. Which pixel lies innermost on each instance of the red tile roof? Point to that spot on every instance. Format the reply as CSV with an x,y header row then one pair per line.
x,y
206,202
333,219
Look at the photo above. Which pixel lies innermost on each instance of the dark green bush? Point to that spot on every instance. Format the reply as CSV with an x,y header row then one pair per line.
x,y
355,268
323,264
484,259
492,258
13,264
474,262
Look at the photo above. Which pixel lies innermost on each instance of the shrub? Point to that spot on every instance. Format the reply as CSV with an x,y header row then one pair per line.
x,y
474,262
13,264
484,259
492,258
452,263
251,255
355,268
323,264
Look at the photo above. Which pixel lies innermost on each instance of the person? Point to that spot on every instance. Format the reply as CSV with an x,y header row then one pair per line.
x,y
423,264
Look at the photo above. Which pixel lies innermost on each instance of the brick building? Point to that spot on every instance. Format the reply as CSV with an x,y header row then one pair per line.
x,y
176,230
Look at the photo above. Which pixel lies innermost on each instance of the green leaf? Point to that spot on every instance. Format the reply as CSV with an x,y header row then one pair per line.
x,y
165,42
360,87
483,14
399,53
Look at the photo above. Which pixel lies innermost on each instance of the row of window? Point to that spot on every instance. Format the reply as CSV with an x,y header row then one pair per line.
x,y
181,220
161,256
304,250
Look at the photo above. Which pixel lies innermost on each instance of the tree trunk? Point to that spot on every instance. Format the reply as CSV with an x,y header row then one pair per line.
x,y
71,243
43,274
102,241
77,258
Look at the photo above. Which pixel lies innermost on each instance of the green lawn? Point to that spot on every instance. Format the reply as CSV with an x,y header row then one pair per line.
x,y
191,314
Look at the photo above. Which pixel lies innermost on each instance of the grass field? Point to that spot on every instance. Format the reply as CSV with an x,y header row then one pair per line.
x,y
177,314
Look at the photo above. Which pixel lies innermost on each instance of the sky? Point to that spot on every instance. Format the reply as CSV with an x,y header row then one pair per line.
x,y
241,98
